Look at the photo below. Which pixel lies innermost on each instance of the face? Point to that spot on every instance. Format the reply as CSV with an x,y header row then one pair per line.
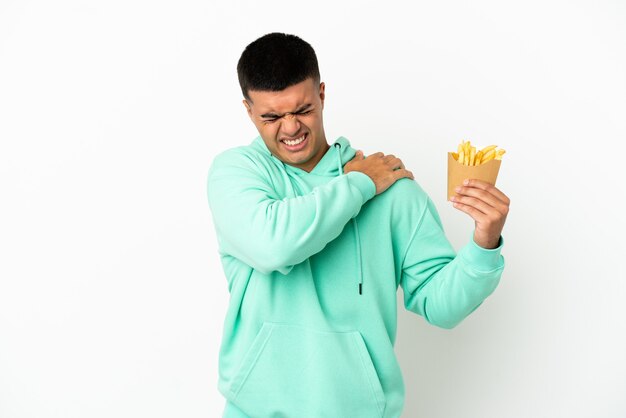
x,y
290,122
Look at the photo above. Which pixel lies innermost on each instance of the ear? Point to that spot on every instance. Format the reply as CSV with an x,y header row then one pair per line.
x,y
248,108
322,93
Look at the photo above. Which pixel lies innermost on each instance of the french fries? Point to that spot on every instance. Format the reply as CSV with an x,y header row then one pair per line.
x,y
468,155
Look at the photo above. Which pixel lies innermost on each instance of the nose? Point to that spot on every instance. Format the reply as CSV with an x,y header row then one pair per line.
x,y
290,125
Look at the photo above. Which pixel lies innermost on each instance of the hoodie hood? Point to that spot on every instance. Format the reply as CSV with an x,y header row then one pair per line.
x,y
331,164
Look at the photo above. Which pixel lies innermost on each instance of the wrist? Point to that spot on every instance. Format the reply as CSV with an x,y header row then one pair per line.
x,y
488,243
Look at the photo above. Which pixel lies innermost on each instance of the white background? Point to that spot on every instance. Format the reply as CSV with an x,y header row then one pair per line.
x,y
111,293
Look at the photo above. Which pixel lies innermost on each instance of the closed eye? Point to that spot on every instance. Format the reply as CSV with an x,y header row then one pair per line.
x,y
268,119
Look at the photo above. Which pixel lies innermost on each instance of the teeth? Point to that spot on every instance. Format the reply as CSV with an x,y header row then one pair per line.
x,y
295,141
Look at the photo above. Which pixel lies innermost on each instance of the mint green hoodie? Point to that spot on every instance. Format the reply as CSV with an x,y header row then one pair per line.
x,y
313,262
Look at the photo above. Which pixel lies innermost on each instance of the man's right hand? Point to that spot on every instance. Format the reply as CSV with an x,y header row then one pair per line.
x,y
383,169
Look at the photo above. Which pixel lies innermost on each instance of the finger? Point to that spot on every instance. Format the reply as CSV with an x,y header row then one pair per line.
x,y
377,154
487,187
358,155
400,173
486,197
398,164
475,214
394,163
477,204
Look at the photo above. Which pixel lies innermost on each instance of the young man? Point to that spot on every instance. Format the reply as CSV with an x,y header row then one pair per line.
x,y
315,240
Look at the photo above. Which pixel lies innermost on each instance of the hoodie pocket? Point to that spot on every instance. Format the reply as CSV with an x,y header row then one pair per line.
x,y
297,372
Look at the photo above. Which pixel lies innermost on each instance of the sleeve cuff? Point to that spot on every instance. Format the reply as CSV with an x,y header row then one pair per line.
x,y
483,259
364,183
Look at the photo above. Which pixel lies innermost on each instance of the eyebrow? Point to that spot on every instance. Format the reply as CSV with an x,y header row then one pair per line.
x,y
274,115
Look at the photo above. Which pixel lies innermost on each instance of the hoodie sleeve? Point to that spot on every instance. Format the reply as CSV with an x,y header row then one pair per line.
x,y
440,285
270,233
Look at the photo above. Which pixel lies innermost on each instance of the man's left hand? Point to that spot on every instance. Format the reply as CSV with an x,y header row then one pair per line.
x,y
487,205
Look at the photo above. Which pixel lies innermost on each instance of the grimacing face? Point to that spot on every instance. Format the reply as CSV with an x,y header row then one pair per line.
x,y
290,122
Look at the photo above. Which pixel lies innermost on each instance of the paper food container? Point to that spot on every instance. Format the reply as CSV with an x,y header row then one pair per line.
x,y
458,172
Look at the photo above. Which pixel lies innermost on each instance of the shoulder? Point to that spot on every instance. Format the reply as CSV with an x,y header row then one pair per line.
x,y
407,202
242,157
407,193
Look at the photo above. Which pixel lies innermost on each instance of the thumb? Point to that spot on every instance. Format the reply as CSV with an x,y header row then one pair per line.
x,y
359,154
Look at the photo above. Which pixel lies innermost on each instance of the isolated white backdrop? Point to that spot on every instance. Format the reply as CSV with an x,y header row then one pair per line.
x,y
111,293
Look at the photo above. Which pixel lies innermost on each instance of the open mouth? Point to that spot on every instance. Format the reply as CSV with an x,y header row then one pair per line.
x,y
296,144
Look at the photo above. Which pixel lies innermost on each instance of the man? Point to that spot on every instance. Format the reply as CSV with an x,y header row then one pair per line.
x,y
315,240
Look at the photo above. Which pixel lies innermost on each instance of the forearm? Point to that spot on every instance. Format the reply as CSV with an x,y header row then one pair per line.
x,y
272,234
442,286
457,289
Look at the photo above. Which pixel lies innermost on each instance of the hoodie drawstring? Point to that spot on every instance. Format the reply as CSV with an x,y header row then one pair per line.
x,y
356,228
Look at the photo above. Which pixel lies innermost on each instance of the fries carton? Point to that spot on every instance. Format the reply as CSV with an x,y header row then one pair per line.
x,y
458,172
